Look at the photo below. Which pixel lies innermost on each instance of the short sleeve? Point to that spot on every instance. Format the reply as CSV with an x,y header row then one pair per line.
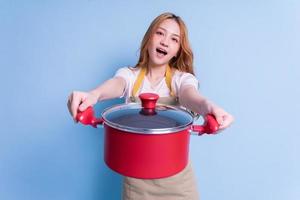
x,y
129,74
123,72
189,79
182,79
126,74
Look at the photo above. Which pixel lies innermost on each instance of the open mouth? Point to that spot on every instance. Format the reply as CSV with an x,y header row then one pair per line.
x,y
161,51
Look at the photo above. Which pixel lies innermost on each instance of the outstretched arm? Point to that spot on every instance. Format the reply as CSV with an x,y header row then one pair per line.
x,y
110,89
190,98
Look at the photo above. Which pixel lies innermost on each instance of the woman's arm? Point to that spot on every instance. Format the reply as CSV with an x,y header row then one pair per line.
x,y
110,89
190,98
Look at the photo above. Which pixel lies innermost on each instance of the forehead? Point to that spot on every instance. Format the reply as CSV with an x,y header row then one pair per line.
x,y
171,26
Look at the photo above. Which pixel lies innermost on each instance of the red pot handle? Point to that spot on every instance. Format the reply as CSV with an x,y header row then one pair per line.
x,y
210,126
87,117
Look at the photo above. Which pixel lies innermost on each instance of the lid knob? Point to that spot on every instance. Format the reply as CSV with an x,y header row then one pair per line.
x,y
148,100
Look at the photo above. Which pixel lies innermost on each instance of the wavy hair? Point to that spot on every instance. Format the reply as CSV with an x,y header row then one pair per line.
x,y
184,59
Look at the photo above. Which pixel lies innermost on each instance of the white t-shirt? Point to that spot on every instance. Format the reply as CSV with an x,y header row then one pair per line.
x,y
179,79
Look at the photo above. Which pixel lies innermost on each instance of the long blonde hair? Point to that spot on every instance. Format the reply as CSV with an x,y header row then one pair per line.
x,y
184,59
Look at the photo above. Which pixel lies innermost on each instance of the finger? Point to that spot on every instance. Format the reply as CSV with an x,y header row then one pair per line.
x,y
227,121
85,104
76,100
69,105
219,119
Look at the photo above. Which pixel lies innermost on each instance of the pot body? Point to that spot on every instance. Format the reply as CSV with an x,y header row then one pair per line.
x,y
146,156
146,141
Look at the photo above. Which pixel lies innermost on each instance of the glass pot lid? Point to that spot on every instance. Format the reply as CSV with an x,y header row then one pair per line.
x,y
147,117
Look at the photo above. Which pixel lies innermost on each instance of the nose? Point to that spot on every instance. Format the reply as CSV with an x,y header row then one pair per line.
x,y
164,42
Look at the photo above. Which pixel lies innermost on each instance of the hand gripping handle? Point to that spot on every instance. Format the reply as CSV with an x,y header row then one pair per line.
x,y
210,126
87,117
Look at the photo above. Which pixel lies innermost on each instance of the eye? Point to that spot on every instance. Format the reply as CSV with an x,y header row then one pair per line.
x,y
175,40
159,33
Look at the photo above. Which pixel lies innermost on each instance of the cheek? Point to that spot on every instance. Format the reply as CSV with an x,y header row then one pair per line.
x,y
151,43
175,49
150,48
154,39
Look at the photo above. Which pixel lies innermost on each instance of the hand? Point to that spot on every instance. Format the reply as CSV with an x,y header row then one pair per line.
x,y
80,101
223,118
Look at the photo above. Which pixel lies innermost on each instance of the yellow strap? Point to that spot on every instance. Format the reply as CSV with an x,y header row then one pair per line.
x,y
141,76
138,81
169,79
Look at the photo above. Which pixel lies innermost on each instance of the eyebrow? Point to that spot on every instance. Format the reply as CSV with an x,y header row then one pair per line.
x,y
167,31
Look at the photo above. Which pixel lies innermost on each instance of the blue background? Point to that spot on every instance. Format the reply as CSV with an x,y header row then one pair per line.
x,y
247,60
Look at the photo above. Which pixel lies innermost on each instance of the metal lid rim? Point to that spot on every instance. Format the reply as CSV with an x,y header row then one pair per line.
x,y
145,130
148,131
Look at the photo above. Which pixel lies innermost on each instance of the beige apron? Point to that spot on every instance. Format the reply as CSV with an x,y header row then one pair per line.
x,y
181,186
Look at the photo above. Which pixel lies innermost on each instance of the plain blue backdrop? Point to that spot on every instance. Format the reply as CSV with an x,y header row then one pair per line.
x,y
247,61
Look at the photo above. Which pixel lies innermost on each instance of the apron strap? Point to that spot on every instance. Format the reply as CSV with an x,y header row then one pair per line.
x,y
141,76
169,79
138,81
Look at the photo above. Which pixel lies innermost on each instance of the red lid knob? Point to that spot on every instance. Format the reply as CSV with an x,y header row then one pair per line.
x,y
148,100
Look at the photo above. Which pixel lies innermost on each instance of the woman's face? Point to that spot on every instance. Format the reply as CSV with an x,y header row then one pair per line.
x,y
164,43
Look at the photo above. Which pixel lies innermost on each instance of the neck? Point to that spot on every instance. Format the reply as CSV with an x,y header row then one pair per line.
x,y
156,71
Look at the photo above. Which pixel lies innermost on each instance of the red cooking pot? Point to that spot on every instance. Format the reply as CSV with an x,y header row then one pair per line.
x,y
147,140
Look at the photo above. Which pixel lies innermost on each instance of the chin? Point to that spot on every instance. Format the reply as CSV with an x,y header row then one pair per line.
x,y
156,61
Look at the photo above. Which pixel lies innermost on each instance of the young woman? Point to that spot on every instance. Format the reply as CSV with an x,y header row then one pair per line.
x,y
165,67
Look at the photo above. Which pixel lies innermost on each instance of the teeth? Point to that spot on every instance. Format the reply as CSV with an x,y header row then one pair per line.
x,y
161,51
